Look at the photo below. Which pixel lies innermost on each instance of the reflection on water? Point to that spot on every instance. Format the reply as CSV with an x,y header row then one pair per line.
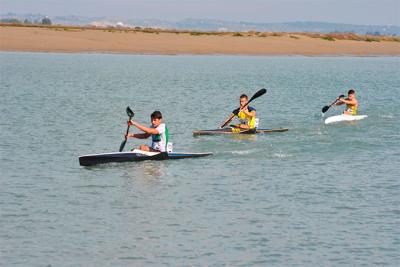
x,y
145,170
244,137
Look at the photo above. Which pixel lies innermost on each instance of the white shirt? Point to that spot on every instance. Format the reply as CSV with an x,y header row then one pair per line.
x,y
159,141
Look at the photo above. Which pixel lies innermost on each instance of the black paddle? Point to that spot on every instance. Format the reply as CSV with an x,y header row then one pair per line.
x,y
130,114
256,95
325,109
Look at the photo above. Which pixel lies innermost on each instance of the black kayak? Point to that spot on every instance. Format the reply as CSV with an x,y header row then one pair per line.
x,y
135,155
238,131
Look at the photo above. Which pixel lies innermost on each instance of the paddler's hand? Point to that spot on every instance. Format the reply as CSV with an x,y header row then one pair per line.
x,y
128,135
340,98
130,123
245,110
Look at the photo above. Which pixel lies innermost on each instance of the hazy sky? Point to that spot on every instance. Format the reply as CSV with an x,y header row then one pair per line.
x,y
342,11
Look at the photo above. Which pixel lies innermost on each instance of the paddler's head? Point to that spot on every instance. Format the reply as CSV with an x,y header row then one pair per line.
x,y
156,118
243,100
351,94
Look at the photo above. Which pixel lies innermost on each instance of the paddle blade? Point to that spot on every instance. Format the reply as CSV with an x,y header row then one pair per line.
x,y
129,112
325,109
258,94
121,147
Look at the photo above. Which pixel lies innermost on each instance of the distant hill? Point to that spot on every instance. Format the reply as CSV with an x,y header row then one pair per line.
x,y
211,25
322,27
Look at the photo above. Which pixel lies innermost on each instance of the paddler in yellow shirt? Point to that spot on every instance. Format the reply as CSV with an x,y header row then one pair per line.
x,y
351,103
245,114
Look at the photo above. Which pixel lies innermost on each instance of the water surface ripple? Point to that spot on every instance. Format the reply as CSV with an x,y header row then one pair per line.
x,y
316,195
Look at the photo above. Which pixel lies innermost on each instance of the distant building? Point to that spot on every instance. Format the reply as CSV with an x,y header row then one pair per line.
x,y
46,21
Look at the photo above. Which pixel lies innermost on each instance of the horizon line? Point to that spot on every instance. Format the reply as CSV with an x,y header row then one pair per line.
x,y
208,19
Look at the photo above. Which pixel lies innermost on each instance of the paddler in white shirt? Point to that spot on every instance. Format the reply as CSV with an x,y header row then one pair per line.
x,y
158,132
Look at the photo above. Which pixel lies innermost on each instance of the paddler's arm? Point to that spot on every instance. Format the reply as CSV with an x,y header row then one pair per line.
x,y
139,136
249,113
339,102
228,120
143,128
346,101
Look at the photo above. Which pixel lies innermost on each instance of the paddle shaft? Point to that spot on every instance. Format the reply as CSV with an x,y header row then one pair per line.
x,y
230,118
130,114
325,109
127,130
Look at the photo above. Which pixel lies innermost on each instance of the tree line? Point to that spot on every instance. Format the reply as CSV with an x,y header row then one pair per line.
x,y
44,21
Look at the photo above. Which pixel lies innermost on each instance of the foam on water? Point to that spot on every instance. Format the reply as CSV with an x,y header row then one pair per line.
x,y
243,152
388,116
282,155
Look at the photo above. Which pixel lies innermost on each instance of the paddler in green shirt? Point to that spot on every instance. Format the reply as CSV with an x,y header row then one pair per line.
x,y
158,132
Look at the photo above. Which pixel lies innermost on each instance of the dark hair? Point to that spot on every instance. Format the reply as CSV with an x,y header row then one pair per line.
x,y
351,92
156,115
244,96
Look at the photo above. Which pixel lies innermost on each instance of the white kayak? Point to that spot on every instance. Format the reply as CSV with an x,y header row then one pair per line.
x,y
344,117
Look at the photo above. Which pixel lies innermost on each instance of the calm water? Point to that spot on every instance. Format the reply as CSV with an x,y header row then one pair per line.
x,y
315,195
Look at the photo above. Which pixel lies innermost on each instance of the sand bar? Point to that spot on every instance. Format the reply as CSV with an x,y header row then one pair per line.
x,y
75,40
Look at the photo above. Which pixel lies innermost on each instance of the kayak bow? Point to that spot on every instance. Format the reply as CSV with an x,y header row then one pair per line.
x,y
135,155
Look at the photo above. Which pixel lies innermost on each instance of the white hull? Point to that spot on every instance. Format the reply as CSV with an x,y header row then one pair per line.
x,y
344,117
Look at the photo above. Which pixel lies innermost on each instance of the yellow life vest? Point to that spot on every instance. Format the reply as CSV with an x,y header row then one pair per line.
x,y
244,118
352,109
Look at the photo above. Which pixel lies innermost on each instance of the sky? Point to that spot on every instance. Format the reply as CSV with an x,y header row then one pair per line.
x,y
365,12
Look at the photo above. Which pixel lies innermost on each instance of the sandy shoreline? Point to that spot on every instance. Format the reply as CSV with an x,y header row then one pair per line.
x,y
83,40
